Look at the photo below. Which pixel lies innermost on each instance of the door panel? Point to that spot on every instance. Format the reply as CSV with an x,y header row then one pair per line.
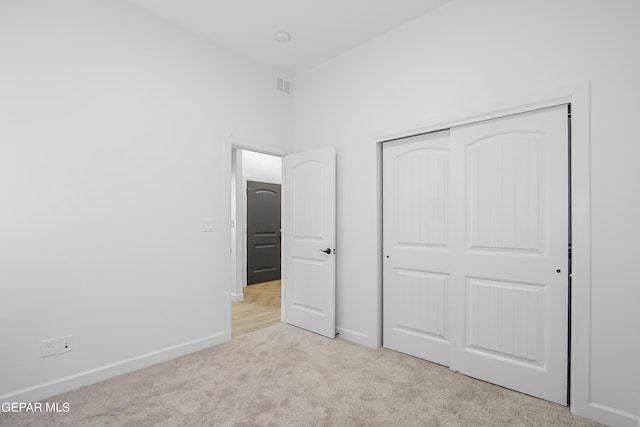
x,y
422,295
506,195
510,200
416,247
263,232
506,319
309,229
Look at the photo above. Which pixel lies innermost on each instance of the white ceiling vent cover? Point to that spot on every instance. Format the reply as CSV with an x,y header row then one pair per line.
x,y
283,85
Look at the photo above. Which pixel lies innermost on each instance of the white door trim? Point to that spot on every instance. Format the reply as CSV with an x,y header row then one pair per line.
x,y
579,96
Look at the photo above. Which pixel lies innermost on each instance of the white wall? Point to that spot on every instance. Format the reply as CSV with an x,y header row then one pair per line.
x,y
261,167
115,133
467,56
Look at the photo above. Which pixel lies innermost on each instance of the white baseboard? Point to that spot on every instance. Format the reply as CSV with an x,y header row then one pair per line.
x,y
237,297
72,382
607,415
356,337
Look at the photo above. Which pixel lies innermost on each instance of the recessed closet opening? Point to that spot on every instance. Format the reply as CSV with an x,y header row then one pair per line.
x,y
476,249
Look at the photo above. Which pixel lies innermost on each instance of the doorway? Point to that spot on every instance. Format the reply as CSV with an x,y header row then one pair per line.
x,y
308,286
255,235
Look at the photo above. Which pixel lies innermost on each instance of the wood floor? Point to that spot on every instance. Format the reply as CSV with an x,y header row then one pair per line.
x,y
260,308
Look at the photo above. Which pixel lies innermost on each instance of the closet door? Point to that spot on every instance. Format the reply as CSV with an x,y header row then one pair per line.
x,y
476,269
510,210
417,250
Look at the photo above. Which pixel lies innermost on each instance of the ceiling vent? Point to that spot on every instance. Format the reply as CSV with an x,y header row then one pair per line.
x,y
283,85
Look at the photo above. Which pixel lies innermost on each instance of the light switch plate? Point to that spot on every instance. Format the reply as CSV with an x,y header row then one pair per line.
x,y
206,226
49,347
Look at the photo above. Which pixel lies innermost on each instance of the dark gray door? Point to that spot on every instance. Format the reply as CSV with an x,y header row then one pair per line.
x,y
263,232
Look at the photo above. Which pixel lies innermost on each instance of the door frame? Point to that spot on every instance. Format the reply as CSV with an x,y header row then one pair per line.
x,y
578,95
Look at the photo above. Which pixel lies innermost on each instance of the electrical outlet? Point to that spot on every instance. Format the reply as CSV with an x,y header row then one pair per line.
x,y
66,344
48,347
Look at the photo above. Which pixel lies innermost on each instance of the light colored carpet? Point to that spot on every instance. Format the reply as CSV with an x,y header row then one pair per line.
x,y
284,376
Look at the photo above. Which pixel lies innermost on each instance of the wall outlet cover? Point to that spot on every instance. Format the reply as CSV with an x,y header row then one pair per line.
x,y
49,347
66,344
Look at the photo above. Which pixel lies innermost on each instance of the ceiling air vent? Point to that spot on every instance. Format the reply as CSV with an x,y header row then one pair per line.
x,y
283,85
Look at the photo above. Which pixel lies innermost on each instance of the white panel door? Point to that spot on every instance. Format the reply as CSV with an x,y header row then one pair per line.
x,y
309,231
510,252
476,250
417,251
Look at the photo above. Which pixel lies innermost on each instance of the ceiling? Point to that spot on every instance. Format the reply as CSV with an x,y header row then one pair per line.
x,y
320,29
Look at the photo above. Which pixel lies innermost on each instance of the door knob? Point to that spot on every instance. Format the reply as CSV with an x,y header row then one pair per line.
x,y
326,251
